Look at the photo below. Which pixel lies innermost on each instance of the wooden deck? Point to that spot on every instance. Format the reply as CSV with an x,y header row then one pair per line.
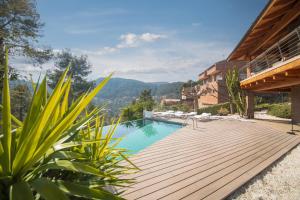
x,y
207,163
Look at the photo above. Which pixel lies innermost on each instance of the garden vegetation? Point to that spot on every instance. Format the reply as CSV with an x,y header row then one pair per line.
x,y
58,151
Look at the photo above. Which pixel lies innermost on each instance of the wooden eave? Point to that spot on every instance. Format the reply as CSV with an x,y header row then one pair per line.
x,y
267,28
277,79
203,76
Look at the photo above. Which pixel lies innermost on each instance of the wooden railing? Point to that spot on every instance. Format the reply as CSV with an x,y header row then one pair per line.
x,y
285,49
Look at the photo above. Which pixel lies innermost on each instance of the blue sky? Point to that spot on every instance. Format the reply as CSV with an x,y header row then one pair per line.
x,y
155,40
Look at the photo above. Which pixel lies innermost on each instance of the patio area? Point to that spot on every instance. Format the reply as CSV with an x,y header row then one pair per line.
x,y
208,162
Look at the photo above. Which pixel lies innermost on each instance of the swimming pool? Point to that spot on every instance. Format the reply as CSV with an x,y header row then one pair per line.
x,y
140,134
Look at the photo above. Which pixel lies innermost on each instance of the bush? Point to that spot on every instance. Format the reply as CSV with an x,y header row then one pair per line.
x,y
223,111
176,107
57,152
263,106
280,110
214,109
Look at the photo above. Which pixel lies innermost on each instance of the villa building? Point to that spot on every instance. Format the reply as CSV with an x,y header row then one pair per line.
x,y
212,89
271,48
169,102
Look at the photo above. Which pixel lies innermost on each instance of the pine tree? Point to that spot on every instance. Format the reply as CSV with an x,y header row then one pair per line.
x,y
20,28
79,68
20,99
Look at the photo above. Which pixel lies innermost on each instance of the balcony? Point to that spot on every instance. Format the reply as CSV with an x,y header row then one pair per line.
x,y
278,66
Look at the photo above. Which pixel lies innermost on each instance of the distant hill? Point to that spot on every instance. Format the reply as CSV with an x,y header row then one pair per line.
x,y
119,92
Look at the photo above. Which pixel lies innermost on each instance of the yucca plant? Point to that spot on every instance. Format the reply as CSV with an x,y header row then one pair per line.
x,y
236,94
38,154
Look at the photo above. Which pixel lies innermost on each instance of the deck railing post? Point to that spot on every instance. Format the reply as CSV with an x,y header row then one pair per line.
x,y
281,55
267,61
298,34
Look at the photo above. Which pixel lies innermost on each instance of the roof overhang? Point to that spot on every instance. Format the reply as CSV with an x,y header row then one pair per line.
x,y
278,78
266,29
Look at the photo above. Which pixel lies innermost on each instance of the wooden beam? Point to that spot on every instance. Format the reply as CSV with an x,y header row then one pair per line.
x,y
280,5
262,28
284,9
282,84
293,65
269,81
285,20
292,73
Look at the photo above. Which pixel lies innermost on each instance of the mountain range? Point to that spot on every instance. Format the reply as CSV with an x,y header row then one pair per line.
x,y
119,92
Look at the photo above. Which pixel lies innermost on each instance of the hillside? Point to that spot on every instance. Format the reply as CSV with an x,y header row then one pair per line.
x,y
119,92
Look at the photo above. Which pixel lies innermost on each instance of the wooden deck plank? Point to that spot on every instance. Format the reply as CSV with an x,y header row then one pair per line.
x,y
204,162
209,189
184,184
214,143
200,140
210,162
178,136
227,189
189,138
221,152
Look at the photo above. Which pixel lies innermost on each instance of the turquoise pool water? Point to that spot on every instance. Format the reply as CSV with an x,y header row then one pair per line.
x,y
140,134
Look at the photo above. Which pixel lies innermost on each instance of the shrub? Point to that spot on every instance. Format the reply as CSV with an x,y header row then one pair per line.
x,y
176,107
263,106
280,110
223,111
57,151
214,109
135,109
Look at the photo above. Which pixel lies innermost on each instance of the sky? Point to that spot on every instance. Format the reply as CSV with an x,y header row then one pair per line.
x,y
157,40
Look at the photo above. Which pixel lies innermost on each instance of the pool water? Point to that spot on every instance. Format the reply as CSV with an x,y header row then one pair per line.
x,y
140,134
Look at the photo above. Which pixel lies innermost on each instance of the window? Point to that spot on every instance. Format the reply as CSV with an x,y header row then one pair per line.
x,y
219,77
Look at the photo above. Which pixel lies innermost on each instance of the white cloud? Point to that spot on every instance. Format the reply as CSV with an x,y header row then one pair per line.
x,y
149,37
133,40
175,59
128,40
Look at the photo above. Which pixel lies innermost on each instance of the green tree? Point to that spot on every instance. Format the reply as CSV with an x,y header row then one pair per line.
x,y
79,68
54,137
20,28
135,109
20,99
190,83
146,100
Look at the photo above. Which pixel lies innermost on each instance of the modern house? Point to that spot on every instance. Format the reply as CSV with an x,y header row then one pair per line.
x,y
169,102
212,89
271,48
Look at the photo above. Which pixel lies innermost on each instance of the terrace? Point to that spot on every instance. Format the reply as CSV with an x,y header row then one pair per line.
x,y
272,48
277,67
209,162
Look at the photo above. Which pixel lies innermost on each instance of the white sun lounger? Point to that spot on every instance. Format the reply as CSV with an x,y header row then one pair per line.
x,y
180,114
202,117
167,114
